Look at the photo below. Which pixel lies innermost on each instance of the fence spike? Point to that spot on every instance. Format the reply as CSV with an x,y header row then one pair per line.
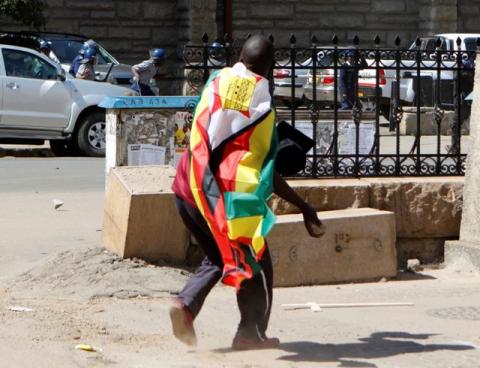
x,y
458,41
314,39
356,40
205,38
418,41
271,38
376,40
335,39
397,40
293,39
438,42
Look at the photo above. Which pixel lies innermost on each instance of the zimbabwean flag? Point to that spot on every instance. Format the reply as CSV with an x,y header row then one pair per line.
x,y
232,159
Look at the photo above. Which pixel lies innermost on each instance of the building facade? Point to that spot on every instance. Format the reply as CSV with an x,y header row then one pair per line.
x,y
128,29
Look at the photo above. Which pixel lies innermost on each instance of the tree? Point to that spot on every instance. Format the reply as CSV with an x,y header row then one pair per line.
x,y
28,12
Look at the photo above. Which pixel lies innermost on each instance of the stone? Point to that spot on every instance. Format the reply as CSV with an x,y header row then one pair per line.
x,y
468,247
413,265
140,218
325,195
429,207
359,245
462,254
408,124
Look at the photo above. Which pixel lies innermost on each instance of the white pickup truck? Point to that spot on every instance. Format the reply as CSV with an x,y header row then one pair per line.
x,y
427,47
39,102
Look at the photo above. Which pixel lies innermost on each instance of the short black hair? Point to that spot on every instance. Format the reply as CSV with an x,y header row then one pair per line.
x,y
257,54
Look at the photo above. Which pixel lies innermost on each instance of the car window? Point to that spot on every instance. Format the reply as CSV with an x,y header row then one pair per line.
x,y
25,65
67,50
471,44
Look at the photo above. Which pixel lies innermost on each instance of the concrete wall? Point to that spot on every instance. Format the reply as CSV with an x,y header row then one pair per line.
x,y
346,18
468,14
427,210
129,29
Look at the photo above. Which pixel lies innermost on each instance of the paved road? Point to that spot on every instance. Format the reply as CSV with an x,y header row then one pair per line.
x,y
30,226
51,174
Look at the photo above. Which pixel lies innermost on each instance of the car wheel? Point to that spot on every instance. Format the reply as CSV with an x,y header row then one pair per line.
x,y
91,135
63,147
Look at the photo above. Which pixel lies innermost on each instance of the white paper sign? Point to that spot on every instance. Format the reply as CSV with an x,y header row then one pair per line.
x,y
145,154
347,138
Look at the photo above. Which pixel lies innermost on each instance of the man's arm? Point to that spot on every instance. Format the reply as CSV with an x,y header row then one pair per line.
x,y
136,76
313,224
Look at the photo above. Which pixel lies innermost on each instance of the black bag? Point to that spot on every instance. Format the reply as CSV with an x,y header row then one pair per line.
x,y
292,149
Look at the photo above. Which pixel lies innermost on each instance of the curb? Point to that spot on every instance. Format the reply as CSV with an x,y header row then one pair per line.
x,y
26,152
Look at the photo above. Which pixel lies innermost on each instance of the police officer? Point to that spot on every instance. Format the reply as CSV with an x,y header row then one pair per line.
x,y
78,59
146,70
87,69
46,50
348,76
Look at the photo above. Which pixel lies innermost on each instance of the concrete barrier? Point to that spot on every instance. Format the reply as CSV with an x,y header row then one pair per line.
x,y
359,245
428,126
140,218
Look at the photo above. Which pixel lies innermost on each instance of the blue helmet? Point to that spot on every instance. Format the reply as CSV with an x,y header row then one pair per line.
x,y
217,45
158,54
89,55
44,45
89,44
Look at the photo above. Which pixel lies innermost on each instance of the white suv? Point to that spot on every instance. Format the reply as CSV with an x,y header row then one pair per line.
x,y
38,102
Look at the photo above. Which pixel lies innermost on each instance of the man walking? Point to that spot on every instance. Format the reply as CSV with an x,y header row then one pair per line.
x,y
146,70
221,187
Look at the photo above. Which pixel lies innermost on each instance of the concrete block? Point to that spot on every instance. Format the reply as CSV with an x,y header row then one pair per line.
x,y
359,245
424,207
140,218
325,195
462,254
408,124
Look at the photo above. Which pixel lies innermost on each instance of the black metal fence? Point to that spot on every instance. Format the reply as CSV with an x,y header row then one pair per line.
x,y
374,111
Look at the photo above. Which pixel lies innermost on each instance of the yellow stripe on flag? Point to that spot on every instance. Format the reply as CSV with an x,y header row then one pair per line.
x,y
249,167
247,227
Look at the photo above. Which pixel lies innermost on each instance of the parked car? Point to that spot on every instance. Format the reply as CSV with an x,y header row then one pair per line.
x,y
283,83
408,72
39,101
65,48
325,81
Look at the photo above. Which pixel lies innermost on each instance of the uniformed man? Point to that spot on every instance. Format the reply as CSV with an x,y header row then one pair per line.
x,y
348,76
87,68
89,44
46,50
146,70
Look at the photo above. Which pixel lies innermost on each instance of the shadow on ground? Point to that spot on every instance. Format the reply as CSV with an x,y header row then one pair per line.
x,y
377,345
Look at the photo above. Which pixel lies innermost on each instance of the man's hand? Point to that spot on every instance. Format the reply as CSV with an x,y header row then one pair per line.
x,y
312,223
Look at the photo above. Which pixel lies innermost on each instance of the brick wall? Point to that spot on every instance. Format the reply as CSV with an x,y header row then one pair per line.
x,y
129,28
468,15
346,18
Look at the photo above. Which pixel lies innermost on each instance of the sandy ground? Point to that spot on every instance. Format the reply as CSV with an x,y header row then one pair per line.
x,y
51,262
121,308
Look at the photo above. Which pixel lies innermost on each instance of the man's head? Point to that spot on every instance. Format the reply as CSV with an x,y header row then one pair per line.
x,y
158,56
257,55
45,47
